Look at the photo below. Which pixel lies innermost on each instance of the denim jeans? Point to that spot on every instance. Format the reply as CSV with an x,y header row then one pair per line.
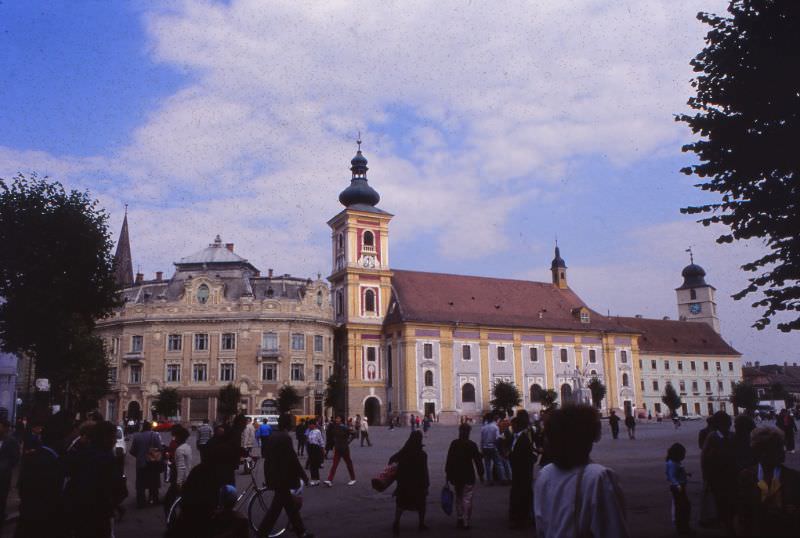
x,y
491,459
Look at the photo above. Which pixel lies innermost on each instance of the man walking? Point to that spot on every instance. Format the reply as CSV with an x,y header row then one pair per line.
x,y
9,457
316,451
365,431
263,434
613,421
248,441
630,423
141,445
283,474
490,434
204,433
341,451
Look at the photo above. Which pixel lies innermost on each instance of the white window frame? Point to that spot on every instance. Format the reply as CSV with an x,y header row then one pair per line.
x,y
222,341
198,337
172,338
134,347
295,367
302,340
135,368
196,367
232,366
426,346
318,338
172,367
264,339
265,366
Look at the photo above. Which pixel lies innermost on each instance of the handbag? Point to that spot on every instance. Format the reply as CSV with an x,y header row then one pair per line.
x,y
447,499
385,478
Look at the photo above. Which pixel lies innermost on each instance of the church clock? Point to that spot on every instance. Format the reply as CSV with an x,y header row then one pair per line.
x,y
695,308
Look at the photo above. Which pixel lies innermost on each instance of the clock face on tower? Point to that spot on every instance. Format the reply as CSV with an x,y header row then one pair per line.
x,y
695,308
368,261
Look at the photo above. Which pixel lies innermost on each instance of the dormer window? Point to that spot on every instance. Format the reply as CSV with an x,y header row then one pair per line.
x,y
584,316
202,294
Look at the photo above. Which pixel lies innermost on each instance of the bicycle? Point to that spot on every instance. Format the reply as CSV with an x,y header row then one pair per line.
x,y
256,500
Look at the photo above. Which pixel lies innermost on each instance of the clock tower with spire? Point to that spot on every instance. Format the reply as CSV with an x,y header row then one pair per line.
x,y
361,286
696,298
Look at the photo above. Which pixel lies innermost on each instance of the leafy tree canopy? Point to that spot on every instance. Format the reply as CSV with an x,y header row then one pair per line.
x,y
549,398
56,279
744,395
334,392
671,398
168,402
747,114
288,399
228,401
598,391
506,397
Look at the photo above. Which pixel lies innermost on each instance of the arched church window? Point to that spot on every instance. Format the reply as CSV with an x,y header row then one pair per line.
x,y
319,298
692,294
202,294
536,392
564,357
428,378
369,239
468,393
625,381
369,301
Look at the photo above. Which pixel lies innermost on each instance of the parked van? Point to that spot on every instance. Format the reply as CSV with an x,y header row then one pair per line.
x,y
272,420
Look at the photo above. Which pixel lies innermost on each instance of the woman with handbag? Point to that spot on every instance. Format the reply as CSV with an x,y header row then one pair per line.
x,y
412,480
463,458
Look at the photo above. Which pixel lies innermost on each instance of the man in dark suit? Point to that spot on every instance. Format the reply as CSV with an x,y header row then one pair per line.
x,y
283,473
9,457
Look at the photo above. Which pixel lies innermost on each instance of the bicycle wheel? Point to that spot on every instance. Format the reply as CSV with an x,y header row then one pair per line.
x,y
174,512
257,509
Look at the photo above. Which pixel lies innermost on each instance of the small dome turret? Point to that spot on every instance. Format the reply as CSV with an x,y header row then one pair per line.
x,y
359,191
558,261
693,276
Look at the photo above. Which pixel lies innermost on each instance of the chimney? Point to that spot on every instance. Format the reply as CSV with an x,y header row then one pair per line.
x,y
666,318
639,316
229,246
159,275
257,274
758,364
139,278
269,272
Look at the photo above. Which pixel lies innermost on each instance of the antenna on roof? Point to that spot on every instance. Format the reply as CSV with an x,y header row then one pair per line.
x,y
126,210
691,255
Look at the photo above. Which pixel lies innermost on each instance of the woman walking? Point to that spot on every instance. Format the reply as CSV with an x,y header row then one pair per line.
x,y
677,479
180,465
316,452
412,480
463,458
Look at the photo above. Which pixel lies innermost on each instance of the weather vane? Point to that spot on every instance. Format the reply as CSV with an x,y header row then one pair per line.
x,y
691,255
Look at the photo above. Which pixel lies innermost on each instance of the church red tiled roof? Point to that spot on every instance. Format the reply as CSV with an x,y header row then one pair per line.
x,y
497,302
677,337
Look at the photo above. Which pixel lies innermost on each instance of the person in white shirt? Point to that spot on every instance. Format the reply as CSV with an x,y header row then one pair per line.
x,y
365,432
316,451
572,496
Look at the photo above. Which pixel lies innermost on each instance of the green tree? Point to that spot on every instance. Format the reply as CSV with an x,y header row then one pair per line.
x,y
744,396
598,391
288,399
549,398
748,118
778,392
537,393
57,278
228,401
334,393
167,403
506,397
671,399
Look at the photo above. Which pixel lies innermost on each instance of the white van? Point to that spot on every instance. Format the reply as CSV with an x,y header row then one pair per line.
x,y
272,420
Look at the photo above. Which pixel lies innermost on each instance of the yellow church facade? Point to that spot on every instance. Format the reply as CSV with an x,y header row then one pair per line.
x,y
410,342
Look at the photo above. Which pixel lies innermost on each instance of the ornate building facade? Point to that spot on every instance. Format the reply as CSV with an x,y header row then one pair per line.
x,y
217,321
410,342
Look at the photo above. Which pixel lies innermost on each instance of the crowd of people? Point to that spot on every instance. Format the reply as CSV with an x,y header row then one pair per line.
x,y
72,481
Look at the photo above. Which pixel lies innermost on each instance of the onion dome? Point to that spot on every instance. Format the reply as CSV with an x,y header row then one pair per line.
x,y
693,276
359,191
558,261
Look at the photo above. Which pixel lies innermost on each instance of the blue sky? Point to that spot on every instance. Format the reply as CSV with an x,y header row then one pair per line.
x,y
490,130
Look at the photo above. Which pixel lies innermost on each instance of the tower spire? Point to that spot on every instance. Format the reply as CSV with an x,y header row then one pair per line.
x,y
123,262
359,192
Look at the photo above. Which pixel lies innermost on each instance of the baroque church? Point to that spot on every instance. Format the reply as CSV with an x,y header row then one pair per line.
x,y
406,342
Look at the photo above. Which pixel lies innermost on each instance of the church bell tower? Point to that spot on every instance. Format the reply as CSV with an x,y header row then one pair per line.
x,y
696,298
361,287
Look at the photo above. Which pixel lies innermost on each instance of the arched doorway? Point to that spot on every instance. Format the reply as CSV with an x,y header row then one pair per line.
x,y
536,393
372,410
134,411
566,394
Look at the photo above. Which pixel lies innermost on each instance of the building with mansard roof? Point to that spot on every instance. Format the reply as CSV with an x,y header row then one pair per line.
x,y
411,342
216,320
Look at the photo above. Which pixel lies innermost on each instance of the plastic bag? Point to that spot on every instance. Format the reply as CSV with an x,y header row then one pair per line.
x,y
447,499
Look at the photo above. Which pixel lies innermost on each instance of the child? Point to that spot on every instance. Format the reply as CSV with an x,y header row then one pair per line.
x,y
676,476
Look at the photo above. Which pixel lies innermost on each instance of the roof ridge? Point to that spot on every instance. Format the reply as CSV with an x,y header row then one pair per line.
x,y
544,284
